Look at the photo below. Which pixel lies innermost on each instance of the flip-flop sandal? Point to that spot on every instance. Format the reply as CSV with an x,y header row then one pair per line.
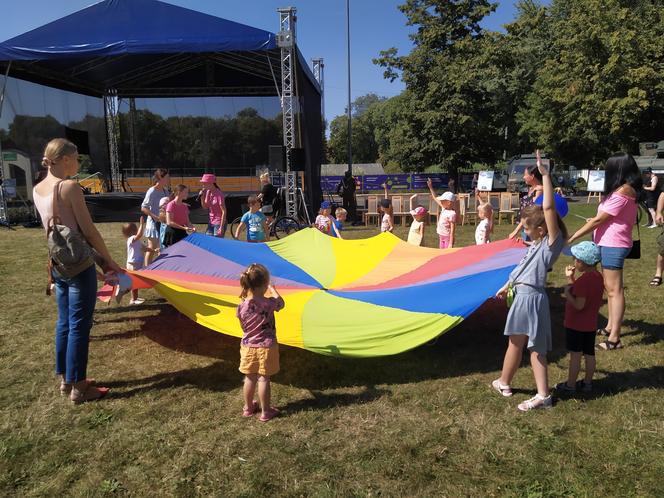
x,y
609,345
273,412
603,332
249,412
656,282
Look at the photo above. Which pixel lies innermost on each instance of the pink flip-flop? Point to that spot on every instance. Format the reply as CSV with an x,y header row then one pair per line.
x,y
249,412
269,415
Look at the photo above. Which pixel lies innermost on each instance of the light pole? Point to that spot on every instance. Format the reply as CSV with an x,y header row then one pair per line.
x,y
350,124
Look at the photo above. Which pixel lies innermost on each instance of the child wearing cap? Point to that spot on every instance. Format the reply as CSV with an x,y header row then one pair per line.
x,y
416,231
446,218
583,298
324,221
212,199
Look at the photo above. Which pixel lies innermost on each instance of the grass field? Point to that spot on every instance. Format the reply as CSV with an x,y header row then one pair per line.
x,y
423,423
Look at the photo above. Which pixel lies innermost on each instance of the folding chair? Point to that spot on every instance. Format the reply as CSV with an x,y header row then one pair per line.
x,y
494,200
434,209
506,207
397,208
372,209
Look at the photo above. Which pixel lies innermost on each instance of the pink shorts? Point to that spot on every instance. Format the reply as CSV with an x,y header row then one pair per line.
x,y
444,241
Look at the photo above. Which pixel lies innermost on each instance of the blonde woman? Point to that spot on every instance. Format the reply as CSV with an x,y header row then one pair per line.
x,y
75,296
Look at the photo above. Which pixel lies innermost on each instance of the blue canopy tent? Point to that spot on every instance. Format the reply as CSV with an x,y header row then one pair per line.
x,y
147,48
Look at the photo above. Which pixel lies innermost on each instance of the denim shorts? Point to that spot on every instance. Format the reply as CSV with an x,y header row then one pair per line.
x,y
613,258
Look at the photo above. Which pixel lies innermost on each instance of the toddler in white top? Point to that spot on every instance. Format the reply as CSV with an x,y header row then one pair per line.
x,y
485,227
447,217
135,251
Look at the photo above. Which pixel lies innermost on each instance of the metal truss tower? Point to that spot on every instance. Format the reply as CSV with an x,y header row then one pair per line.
x,y
113,131
4,213
286,42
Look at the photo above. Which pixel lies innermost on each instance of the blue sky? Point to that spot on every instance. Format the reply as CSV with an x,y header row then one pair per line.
x,y
375,25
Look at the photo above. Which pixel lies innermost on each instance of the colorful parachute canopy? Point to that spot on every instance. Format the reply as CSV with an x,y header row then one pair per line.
x,y
361,298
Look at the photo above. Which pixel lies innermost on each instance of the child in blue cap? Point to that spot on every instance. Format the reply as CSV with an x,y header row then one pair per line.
x,y
324,221
583,298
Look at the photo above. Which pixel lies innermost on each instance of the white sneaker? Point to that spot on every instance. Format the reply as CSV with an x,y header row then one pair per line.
x,y
536,402
652,226
138,300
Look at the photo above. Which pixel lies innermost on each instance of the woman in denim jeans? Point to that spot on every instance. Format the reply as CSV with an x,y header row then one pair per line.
x,y
612,232
76,296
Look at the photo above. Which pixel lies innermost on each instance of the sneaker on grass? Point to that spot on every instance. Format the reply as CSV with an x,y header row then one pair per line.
x,y
563,387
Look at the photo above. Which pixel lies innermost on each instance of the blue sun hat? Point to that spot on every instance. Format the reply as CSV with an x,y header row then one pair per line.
x,y
325,205
586,251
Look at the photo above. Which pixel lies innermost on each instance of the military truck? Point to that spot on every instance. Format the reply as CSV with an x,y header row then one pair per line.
x,y
515,168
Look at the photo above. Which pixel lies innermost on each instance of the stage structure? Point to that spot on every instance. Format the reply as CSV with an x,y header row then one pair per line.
x,y
121,50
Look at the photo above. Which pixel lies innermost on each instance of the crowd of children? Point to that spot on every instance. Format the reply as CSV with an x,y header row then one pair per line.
x,y
528,323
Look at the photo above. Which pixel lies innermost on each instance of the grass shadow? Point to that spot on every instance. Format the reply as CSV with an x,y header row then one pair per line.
x,y
617,382
219,377
477,345
321,401
652,332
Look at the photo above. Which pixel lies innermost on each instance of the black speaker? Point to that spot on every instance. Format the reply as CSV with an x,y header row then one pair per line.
x,y
297,159
277,158
79,138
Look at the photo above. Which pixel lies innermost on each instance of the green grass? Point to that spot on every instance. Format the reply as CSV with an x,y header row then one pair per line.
x,y
423,423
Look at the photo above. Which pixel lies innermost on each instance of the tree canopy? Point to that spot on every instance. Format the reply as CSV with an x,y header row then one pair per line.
x,y
580,79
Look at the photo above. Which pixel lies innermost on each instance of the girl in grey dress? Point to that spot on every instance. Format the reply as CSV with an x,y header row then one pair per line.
x,y
529,321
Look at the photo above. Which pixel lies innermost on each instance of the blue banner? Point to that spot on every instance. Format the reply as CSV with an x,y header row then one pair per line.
x,y
395,182
329,183
439,181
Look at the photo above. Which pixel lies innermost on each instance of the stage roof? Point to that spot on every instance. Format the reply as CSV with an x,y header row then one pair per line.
x,y
147,48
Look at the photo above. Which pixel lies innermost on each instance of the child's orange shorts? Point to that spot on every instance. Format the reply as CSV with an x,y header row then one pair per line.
x,y
261,361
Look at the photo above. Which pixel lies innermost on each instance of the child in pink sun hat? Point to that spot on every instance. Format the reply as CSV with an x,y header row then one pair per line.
x,y
416,231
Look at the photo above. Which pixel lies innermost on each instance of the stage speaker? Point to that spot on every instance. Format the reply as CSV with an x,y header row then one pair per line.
x,y
297,159
79,138
277,158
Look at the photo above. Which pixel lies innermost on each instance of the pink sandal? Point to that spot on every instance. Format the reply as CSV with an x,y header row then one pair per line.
x,y
249,412
83,391
65,387
269,415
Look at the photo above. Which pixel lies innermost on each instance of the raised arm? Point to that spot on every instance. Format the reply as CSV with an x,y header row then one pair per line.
x,y
385,188
141,228
410,201
548,202
433,192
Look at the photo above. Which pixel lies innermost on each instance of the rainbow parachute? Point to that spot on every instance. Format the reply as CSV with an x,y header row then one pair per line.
x,y
368,297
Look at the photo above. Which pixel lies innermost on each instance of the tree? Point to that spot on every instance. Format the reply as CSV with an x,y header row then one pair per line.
x,y
365,149
453,117
600,89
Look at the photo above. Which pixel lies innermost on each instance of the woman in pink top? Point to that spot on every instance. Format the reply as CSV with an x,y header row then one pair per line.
x,y
75,296
616,216
212,199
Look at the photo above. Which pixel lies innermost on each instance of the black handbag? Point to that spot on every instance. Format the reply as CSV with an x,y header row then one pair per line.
x,y
635,251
